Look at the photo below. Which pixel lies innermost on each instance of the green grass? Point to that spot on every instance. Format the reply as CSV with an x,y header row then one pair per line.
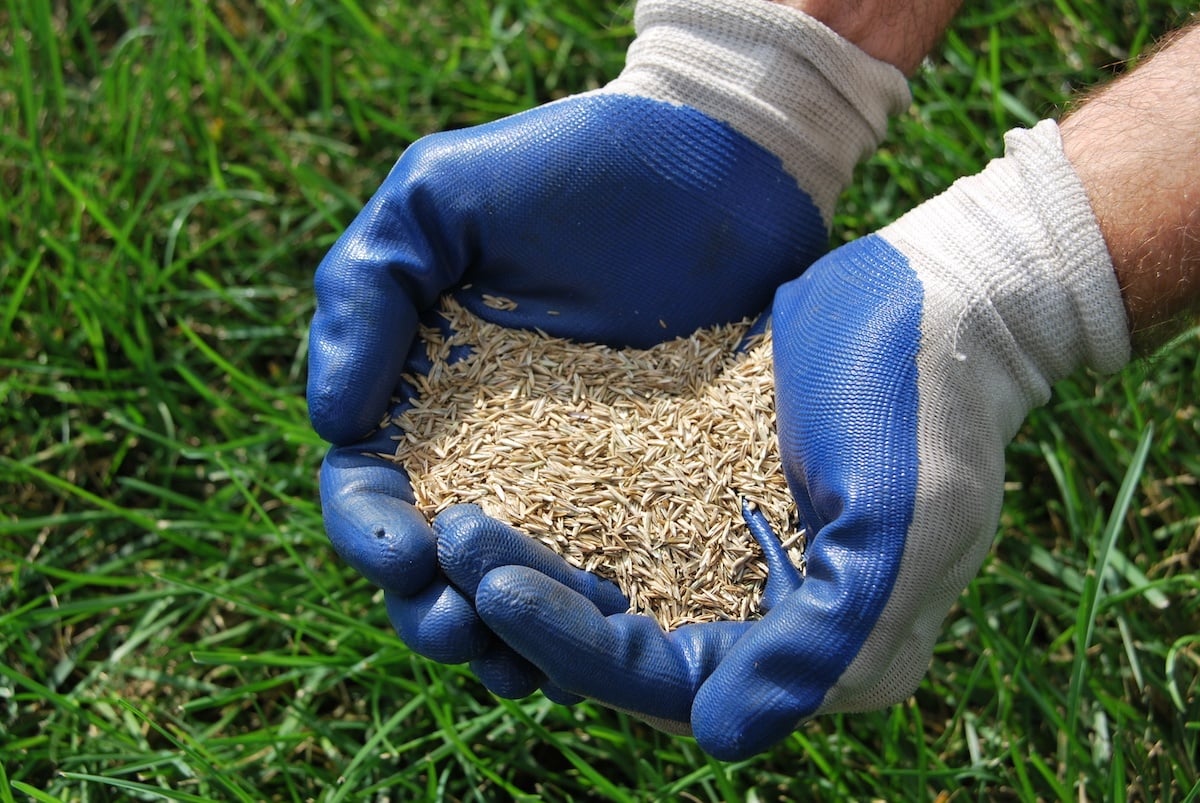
x,y
175,626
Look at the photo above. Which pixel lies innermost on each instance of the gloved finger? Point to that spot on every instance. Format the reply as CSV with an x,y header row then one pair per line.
x,y
372,525
470,544
505,673
439,623
782,576
556,695
369,518
626,661
393,261
757,328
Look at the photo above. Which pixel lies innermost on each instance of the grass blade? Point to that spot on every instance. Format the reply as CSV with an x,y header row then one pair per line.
x,y
1093,589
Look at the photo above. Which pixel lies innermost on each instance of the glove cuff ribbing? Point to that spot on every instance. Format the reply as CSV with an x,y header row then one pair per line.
x,y
1020,239
775,74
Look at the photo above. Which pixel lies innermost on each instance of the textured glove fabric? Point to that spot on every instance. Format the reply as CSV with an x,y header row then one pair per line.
x,y
781,78
679,196
904,364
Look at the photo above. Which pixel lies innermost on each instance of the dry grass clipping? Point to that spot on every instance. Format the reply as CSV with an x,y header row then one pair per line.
x,y
631,463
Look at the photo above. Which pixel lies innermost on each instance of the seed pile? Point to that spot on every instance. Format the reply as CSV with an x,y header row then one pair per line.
x,y
631,463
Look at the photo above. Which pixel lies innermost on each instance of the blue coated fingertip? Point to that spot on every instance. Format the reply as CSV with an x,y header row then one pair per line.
x,y
382,537
506,674
545,622
440,624
471,544
760,326
557,695
782,576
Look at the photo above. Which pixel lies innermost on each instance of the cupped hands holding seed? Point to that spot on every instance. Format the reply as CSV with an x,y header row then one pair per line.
x,y
904,363
677,197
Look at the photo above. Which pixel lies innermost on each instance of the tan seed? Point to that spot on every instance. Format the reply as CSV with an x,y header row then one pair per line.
x,y
631,463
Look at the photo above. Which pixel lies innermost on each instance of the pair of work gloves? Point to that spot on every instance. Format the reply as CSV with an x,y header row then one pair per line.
x,y
697,189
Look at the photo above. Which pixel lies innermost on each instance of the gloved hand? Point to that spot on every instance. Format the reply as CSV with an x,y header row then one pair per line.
x,y
904,364
678,196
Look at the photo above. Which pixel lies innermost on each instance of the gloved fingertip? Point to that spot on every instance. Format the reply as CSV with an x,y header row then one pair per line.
x,y
360,335
506,674
471,544
604,594
383,538
346,399
508,598
466,540
439,623
730,740
738,712
556,694
337,423
760,326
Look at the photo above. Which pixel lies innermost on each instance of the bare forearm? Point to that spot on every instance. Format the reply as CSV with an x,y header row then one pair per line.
x,y
1136,146
899,32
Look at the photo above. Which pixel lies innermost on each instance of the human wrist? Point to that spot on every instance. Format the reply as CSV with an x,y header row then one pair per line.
x,y
898,33
1133,145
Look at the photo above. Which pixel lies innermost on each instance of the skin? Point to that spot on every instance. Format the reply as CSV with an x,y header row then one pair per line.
x,y
1136,146
900,33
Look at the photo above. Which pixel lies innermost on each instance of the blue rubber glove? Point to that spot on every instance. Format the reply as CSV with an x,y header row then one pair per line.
x,y
678,196
904,364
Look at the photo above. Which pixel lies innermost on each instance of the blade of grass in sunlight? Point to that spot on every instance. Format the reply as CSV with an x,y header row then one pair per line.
x,y
1094,588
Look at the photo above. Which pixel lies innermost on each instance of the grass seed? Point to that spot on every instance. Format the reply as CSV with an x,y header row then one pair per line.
x,y
630,463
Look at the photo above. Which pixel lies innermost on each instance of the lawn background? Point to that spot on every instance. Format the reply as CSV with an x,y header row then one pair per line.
x,y
173,623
